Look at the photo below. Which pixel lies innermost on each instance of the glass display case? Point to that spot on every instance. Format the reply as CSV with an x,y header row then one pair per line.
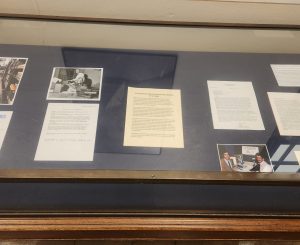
x,y
176,124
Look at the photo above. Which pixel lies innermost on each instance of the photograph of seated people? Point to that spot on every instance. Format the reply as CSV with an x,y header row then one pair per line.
x,y
244,158
75,84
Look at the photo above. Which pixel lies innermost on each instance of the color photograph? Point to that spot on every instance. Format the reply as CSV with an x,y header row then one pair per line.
x,y
11,73
244,158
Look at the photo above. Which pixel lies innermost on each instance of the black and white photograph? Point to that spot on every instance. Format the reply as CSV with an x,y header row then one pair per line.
x,y
11,73
244,158
74,83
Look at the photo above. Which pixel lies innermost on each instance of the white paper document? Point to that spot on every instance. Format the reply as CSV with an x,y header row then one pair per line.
x,y
68,132
5,117
250,150
153,118
287,75
297,153
286,110
234,105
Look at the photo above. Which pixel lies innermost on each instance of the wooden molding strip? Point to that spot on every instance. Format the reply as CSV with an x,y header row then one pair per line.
x,y
279,2
149,228
159,176
147,22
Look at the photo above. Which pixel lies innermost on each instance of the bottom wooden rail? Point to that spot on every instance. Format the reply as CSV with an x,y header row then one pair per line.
x,y
150,228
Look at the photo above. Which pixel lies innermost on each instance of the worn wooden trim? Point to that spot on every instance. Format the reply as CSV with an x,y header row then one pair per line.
x,y
159,176
256,1
131,228
40,17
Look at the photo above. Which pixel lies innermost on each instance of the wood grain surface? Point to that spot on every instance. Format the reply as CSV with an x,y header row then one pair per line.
x,y
150,228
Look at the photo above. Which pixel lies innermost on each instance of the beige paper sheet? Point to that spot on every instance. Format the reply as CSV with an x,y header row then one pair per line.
x,y
153,118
